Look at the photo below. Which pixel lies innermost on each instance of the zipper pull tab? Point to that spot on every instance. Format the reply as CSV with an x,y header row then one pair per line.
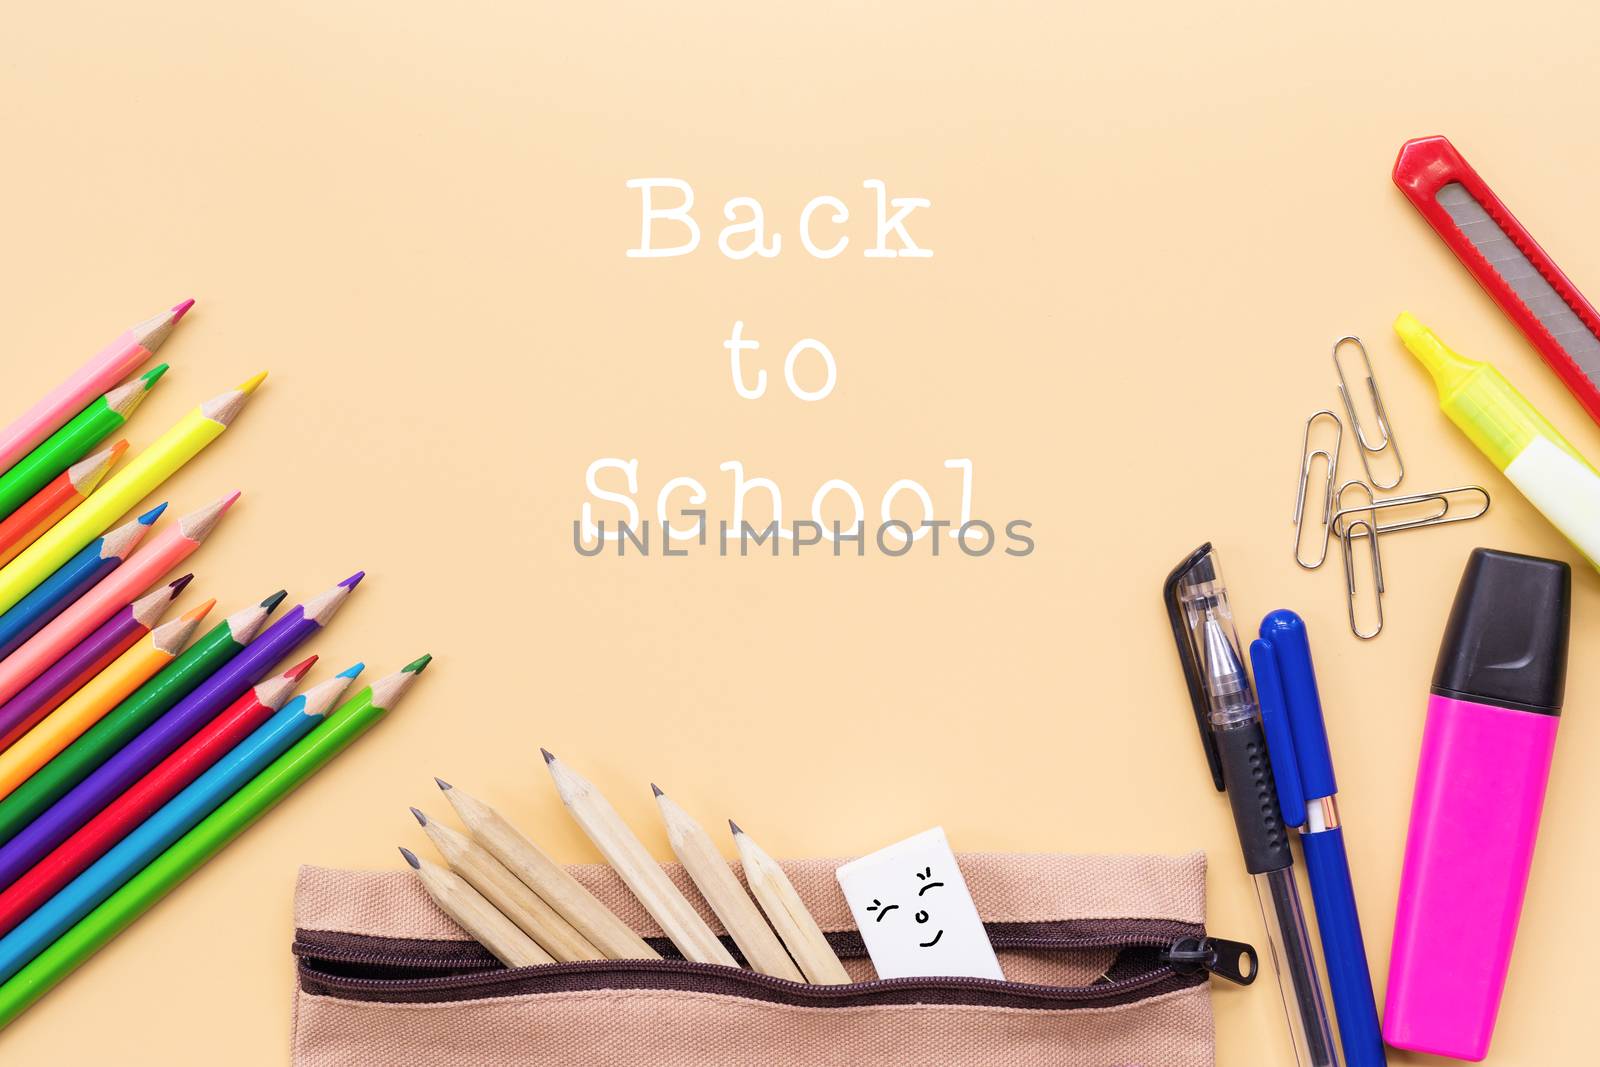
x,y
1233,960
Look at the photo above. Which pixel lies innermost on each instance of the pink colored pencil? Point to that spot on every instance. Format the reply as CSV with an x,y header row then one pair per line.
x,y
143,569
114,363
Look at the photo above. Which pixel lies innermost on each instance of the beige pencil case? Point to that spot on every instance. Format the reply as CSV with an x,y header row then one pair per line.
x,y
1106,961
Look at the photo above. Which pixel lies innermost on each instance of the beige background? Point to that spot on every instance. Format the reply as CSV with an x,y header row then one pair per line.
x,y
1149,225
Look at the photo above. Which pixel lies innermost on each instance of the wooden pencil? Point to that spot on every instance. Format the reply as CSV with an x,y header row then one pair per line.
x,y
476,915
740,917
788,913
112,364
91,703
88,658
72,580
162,554
75,440
55,501
551,881
219,739
507,893
144,473
635,866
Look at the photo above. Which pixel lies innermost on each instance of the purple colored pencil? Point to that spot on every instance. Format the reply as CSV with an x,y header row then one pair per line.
x,y
86,659
162,737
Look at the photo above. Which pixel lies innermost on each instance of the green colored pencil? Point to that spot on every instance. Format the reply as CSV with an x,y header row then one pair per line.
x,y
73,441
191,851
124,722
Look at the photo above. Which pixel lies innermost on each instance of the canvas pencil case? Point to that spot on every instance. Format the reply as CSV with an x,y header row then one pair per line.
x,y
1107,964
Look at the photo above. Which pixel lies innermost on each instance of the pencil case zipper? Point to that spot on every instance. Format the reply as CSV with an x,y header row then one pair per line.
x,y
1154,957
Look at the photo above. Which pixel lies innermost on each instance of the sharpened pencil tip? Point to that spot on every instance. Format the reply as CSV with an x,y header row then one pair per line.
x,y
180,584
734,827
118,449
422,820
153,375
441,783
180,310
411,858
656,789
250,385
275,599
352,671
549,757
354,580
418,665
229,500
149,517
200,611
299,670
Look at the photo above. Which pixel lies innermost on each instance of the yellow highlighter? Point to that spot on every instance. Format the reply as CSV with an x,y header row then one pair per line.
x,y
1536,459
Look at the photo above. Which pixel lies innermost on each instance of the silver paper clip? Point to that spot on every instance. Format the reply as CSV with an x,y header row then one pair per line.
x,y
1364,445
1307,455
1364,530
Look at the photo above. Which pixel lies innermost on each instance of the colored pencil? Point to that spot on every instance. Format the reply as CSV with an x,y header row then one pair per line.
x,y
233,817
596,922
506,893
75,440
104,691
788,913
635,866
76,577
142,476
91,656
476,915
134,759
220,738
728,899
174,819
113,363
144,568
55,501
203,658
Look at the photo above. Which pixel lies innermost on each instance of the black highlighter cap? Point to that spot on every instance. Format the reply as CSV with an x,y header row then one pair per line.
x,y
1506,641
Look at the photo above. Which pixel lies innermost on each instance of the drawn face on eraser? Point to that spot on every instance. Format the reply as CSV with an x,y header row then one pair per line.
x,y
914,912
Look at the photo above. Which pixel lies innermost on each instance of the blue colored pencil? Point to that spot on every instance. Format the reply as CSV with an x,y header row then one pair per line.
x,y
174,819
71,580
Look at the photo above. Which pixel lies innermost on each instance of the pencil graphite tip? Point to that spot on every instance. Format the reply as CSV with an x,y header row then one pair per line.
x,y
422,820
549,757
271,602
153,375
116,451
299,670
441,783
352,671
418,665
149,518
179,585
656,789
250,385
200,611
411,858
180,310
232,498
734,827
354,580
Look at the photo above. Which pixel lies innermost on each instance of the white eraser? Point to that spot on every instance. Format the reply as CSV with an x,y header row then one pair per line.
x,y
915,914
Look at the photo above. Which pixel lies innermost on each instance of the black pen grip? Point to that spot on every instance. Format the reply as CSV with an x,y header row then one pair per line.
x,y
1247,773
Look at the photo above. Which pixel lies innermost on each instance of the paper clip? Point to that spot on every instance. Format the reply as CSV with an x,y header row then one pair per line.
x,y
1450,504
1368,532
1307,455
1386,439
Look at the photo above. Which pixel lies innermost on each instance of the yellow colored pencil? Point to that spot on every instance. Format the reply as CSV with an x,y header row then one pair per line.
x,y
121,492
91,703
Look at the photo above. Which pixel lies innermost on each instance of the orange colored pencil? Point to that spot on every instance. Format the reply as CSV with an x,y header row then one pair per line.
x,y
91,703
52,503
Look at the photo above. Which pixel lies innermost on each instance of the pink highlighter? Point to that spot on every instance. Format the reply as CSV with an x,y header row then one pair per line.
x,y
1481,780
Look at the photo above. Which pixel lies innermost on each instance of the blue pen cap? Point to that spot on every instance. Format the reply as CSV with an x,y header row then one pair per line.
x,y
1291,648
1280,741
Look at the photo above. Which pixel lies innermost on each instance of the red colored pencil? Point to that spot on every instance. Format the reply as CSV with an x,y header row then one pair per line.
x,y
88,658
52,503
146,796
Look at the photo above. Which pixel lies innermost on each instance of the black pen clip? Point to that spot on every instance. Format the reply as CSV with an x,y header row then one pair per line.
x,y
1188,656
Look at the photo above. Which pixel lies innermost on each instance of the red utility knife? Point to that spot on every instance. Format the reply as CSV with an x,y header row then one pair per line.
x,y
1507,262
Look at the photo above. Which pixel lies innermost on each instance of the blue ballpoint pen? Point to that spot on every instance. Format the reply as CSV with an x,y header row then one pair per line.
x,y
1297,744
